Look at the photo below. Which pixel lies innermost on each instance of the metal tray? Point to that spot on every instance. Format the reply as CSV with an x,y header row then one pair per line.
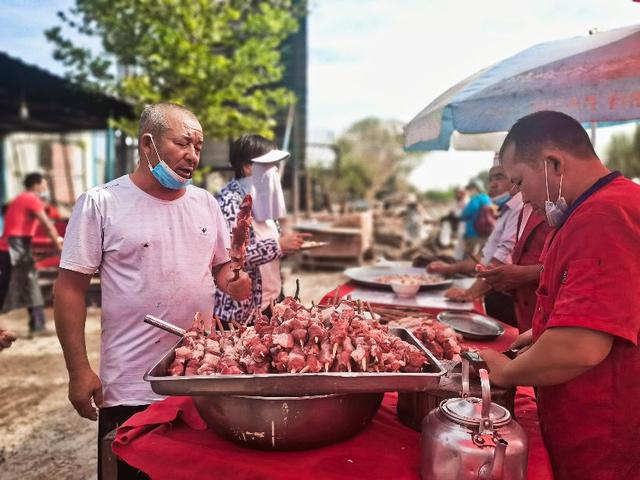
x,y
297,384
472,325
368,275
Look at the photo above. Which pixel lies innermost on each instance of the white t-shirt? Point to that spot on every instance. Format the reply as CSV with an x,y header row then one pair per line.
x,y
155,257
269,272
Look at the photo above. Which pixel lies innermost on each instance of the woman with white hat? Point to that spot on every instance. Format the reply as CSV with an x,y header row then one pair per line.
x,y
255,161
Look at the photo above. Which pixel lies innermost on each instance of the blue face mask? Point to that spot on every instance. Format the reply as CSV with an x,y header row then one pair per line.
x,y
164,174
500,200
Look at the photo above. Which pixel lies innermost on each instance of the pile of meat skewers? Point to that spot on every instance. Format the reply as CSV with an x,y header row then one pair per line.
x,y
296,340
441,340
240,235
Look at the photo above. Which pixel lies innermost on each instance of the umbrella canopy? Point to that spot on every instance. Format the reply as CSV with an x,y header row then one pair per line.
x,y
594,78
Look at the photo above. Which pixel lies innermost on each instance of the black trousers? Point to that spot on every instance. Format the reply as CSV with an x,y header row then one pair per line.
x,y
36,313
109,419
500,306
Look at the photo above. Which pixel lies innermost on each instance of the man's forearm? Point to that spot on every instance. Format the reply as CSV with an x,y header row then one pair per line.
x,y
70,315
464,266
556,358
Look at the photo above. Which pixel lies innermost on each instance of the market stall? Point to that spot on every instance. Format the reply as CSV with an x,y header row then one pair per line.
x,y
386,448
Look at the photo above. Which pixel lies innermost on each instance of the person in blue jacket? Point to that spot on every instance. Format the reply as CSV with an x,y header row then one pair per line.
x,y
477,200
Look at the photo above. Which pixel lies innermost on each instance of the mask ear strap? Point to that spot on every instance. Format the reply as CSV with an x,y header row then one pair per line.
x,y
156,150
546,180
560,190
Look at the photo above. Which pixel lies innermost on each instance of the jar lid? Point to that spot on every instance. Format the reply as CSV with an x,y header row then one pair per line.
x,y
468,411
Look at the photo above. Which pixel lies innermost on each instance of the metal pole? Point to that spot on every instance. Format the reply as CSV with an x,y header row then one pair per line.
x,y
110,161
594,127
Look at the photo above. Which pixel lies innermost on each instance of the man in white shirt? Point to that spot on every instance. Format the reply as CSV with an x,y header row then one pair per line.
x,y
499,245
158,243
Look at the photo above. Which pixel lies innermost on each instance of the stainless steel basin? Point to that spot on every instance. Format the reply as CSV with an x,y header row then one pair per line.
x,y
288,423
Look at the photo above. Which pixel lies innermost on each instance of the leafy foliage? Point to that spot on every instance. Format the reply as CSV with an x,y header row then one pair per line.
x,y
220,58
371,163
623,153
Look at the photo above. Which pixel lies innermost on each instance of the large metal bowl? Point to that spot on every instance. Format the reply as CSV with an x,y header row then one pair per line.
x,y
288,423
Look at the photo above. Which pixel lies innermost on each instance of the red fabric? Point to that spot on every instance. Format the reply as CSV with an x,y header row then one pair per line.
x,y
527,251
591,279
169,440
46,255
20,219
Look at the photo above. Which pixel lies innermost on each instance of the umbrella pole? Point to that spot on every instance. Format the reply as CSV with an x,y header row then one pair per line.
x,y
594,127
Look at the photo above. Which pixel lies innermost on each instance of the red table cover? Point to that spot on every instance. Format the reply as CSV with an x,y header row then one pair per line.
x,y
170,440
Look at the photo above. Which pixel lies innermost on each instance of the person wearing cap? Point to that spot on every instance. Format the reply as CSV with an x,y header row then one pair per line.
x,y
582,354
255,162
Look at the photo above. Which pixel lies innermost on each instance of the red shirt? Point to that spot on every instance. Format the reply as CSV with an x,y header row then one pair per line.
x,y
20,220
526,252
591,279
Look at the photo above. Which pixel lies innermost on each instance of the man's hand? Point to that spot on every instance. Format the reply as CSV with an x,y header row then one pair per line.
x,y
239,289
85,386
507,278
523,342
496,363
456,294
59,243
292,242
441,267
6,338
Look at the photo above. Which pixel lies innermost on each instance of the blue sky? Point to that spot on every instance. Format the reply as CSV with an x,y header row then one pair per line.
x,y
386,58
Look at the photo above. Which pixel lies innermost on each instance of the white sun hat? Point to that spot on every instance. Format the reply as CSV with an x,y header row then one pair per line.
x,y
272,157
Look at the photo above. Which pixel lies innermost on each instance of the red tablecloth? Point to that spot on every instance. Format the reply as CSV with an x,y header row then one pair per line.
x,y
170,440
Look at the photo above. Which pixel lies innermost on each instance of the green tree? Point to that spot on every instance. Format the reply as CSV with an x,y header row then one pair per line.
x,y
375,146
623,153
220,58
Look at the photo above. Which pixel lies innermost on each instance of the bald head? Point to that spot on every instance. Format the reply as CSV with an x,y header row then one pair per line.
x,y
546,129
155,118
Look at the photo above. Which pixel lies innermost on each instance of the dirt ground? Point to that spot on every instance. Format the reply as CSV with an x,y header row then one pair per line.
x,y
41,436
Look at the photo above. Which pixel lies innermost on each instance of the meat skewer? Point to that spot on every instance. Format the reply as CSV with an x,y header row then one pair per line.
x,y
240,235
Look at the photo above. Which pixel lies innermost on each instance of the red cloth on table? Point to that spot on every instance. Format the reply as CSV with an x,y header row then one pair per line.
x,y
169,440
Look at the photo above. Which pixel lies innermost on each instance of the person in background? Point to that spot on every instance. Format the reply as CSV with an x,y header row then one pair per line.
x,y
413,220
582,354
497,250
255,162
461,202
19,286
473,241
161,246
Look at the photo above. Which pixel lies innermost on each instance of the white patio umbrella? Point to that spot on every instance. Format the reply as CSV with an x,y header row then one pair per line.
x,y
594,78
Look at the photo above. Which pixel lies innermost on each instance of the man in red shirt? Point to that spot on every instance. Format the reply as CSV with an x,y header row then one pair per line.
x,y
582,353
18,277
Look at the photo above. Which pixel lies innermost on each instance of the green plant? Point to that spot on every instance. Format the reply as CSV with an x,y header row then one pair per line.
x,y
219,58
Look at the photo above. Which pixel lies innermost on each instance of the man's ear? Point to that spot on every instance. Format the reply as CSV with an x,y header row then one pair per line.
x,y
556,162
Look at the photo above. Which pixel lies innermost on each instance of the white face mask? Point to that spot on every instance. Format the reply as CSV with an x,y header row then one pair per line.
x,y
266,189
554,211
45,196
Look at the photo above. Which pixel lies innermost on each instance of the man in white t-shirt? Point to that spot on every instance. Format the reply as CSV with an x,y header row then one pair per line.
x,y
158,243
